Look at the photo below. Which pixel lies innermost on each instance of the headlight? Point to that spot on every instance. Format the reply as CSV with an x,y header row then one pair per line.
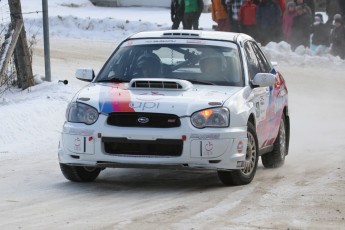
x,y
216,117
81,113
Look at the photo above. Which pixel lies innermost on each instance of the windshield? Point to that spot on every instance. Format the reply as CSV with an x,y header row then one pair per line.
x,y
198,63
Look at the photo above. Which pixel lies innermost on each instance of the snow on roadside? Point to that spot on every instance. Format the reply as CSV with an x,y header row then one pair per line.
x,y
111,29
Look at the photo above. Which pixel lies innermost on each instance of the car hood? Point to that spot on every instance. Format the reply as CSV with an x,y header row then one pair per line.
x,y
119,97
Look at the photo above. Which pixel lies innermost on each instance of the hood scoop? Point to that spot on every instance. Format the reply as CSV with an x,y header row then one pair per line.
x,y
160,83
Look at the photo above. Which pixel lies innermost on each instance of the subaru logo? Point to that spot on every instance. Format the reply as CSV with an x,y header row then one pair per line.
x,y
143,120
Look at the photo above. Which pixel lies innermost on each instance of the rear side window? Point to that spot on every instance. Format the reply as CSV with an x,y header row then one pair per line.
x,y
265,66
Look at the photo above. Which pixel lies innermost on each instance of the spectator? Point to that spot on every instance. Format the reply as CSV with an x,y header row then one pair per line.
x,y
300,32
219,15
332,8
268,20
247,18
338,39
191,13
176,14
233,10
288,20
306,6
320,36
282,5
342,7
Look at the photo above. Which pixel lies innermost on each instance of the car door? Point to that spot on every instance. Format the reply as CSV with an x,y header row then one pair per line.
x,y
262,97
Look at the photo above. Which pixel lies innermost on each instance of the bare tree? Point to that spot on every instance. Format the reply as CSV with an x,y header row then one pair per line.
x,y
17,46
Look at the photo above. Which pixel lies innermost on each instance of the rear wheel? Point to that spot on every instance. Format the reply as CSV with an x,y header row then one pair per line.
x,y
79,173
245,175
276,158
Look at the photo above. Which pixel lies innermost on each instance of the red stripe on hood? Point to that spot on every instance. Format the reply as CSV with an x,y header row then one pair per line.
x,y
120,98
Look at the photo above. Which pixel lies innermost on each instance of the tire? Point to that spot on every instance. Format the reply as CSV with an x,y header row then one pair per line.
x,y
245,175
79,173
276,158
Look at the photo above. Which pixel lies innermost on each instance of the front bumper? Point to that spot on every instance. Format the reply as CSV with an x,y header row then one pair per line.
x,y
209,148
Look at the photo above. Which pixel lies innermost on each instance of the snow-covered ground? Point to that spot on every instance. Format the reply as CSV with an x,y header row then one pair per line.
x,y
308,192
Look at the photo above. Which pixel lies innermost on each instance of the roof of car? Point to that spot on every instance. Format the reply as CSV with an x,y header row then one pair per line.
x,y
196,34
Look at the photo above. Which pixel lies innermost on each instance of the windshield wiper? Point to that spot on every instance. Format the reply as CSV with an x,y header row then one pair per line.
x,y
201,82
113,79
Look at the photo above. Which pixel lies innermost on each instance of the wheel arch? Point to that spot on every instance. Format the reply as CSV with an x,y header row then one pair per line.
x,y
252,119
287,123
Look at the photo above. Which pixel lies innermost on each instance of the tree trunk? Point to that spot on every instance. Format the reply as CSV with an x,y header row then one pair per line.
x,y
21,52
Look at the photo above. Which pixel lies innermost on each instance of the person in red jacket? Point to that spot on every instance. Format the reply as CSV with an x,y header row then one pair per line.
x,y
247,18
220,15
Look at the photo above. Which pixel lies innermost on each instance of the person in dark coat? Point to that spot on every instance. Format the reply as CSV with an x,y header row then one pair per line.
x,y
320,35
300,31
309,5
338,39
268,21
176,13
332,8
342,7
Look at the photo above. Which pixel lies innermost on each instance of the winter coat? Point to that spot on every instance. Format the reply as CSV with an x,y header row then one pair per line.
x,y
300,31
192,6
320,34
311,5
288,19
175,10
268,15
332,8
247,14
338,41
282,5
218,10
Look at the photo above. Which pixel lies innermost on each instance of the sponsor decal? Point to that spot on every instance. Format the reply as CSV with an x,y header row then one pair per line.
x,y
205,136
196,42
209,146
115,99
240,164
152,96
142,106
77,144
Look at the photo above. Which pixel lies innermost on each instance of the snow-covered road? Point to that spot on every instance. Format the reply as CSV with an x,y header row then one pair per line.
x,y
308,192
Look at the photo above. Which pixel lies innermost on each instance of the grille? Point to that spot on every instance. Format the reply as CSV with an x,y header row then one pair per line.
x,y
153,120
159,147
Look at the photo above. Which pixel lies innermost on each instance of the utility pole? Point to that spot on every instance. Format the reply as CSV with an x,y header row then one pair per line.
x,y
46,40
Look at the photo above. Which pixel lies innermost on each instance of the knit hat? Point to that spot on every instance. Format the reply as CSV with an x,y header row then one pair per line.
x,y
338,18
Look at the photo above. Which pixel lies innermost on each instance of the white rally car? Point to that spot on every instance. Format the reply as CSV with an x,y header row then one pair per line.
x,y
182,100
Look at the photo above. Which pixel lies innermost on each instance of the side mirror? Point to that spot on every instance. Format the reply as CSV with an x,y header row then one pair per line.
x,y
263,80
85,74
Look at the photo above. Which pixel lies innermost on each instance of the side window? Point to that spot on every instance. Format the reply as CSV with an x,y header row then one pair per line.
x,y
252,61
264,64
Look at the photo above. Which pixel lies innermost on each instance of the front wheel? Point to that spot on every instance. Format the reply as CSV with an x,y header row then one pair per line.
x,y
276,158
245,175
79,173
